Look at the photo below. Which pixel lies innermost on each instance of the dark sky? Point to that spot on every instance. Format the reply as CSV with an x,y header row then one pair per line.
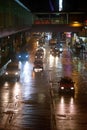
x,y
37,5
70,5
50,6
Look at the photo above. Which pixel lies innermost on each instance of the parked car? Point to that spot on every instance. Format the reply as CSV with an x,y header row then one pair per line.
x,y
66,86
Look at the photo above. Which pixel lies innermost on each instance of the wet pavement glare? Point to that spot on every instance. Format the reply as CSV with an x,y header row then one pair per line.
x,y
28,104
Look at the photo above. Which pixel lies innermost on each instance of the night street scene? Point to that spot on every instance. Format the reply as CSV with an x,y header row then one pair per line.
x,y
43,65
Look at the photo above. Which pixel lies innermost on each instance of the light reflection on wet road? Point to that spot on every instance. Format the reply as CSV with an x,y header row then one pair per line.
x,y
70,111
25,105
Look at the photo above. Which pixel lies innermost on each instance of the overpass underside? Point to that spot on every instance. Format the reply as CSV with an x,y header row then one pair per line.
x,y
54,28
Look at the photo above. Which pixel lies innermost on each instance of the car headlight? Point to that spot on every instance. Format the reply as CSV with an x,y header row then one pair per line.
x,y
19,56
6,73
26,56
62,88
72,88
61,49
16,73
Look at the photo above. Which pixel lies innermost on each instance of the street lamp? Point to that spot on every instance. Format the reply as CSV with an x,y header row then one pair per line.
x,y
76,24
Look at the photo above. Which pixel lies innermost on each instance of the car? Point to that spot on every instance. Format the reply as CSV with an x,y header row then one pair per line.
x,y
40,51
60,48
52,42
12,71
66,85
22,56
13,64
38,55
54,51
38,66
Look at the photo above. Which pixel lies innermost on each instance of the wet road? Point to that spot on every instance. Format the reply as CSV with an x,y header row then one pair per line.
x,y
25,105
28,105
70,111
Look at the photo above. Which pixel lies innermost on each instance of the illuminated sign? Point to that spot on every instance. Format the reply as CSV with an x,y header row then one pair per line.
x,y
68,34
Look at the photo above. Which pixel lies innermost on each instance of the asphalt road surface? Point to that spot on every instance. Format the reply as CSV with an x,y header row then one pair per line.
x,y
33,103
